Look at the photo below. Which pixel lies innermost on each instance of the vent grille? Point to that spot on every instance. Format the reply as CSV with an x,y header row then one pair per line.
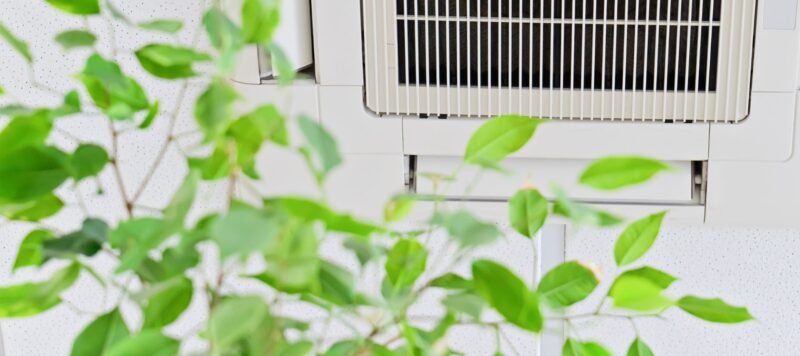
x,y
643,60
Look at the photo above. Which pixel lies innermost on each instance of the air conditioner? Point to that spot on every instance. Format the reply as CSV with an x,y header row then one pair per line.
x,y
709,85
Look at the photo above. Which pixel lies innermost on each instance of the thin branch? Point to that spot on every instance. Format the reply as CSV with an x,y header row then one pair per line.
x,y
117,172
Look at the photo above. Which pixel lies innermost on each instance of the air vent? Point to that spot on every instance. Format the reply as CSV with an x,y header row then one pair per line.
x,y
641,60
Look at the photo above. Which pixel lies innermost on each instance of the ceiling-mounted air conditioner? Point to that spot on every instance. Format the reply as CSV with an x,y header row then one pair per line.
x,y
709,85
657,60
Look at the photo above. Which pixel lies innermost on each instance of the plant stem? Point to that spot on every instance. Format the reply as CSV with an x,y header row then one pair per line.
x,y
117,172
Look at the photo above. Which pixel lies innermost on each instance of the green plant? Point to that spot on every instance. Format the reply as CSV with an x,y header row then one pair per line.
x,y
156,250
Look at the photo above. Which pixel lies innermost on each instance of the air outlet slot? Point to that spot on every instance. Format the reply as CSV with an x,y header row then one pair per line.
x,y
643,60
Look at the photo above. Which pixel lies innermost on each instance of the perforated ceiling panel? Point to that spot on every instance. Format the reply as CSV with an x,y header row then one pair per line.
x,y
643,60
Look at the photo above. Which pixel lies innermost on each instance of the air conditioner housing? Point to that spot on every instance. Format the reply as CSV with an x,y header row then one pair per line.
x,y
728,124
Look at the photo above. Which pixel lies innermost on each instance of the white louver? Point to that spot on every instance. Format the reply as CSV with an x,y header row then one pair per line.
x,y
641,60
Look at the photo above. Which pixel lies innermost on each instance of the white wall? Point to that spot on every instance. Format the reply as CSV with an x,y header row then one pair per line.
x,y
753,267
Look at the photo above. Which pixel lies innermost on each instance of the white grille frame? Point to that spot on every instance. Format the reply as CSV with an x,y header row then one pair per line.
x,y
730,103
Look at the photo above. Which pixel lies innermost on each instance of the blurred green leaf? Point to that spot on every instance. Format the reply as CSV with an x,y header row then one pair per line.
x,y
659,278
293,262
87,241
714,310
398,208
225,36
322,152
582,214
639,348
119,97
28,299
337,284
77,7
577,348
465,302
405,263
167,303
116,13
163,25
619,172
311,210
452,281
88,161
151,115
284,69
214,108
244,231
101,335
15,110
260,20
169,62
638,294
498,138
364,249
26,130
251,131
17,44
30,252
507,294
637,239
75,39
72,105
567,284
178,208
466,229
234,319
147,342
527,211
33,210
136,238
214,167
32,172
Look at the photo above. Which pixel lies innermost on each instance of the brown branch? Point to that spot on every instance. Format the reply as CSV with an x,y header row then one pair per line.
x,y
117,172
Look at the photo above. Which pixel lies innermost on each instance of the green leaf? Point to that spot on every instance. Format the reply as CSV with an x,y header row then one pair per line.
x,y
405,263
31,172
27,130
582,214
577,348
244,231
151,115
714,310
214,109
234,319
638,294
75,39
293,262
639,348
216,166
77,7
637,238
251,131
178,208
466,229
148,342
33,210
225,36
72,105
619,172
659,278
310,210
164,25
88,161
30,252
507,294
169,62
498,138
119,96
87,241
167,303
19,45
136,238
337,284
452,281
284,69
260,20
567,284
465,302
28,299
527,211
101,335
398,208
364,249
326,155
116,13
